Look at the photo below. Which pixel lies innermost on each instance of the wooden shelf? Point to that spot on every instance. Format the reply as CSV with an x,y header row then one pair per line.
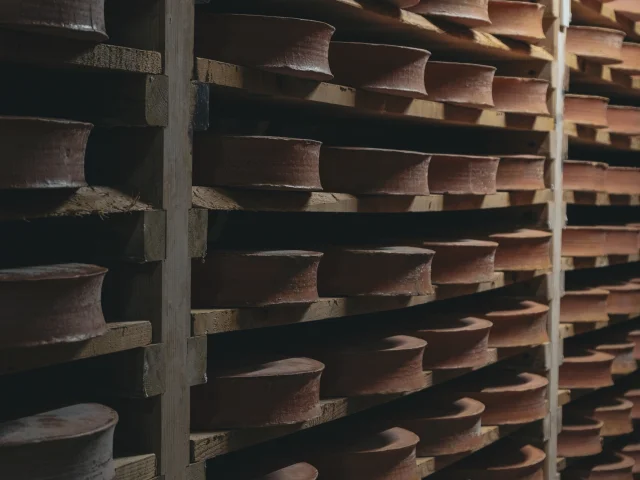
x,y
211,321
595,13
564,397
84,201
121,336
289,90
206,445
607,80
58,52
571,329
600,199
138,467
389,24
211,198
579,263
599,138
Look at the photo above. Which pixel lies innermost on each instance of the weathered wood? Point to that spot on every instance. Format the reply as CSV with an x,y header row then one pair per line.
x,y
229,79
601,78
600,199
138,467
121,336
30,49
197,360
212,198
198,229
577,263
587,137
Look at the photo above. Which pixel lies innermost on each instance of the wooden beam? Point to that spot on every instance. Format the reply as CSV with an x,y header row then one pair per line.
x,y
578,263
138,467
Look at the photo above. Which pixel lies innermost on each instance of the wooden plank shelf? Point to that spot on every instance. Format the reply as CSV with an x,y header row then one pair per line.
x,y
599,138
564,397
207,445
138,467
598,14
607,80
242,81
571,329
356,19
212,198
47,51
84,201
121,336
600,199
579,263
211,321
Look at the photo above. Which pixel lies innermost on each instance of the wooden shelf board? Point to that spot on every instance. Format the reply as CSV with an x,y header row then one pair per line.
x,y
578,263
600,199
577,328
206,445
564,397
387,24
595,13
120,336
608,80
211,321
599,138
84,201
265,85
138,467
28,48
213,198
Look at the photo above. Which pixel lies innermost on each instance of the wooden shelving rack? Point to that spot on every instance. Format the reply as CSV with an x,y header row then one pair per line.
x,y
147,219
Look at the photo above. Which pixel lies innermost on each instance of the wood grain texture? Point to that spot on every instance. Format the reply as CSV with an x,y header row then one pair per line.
x,y
589,137
120,336
212,198
138,467
229,79
577,263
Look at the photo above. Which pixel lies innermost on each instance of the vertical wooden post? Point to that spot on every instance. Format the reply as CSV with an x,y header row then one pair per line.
x,y
558,154
177,51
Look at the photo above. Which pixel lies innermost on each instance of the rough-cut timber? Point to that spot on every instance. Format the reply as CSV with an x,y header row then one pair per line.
x,y
517,323
387,69
523,250
623,119
72,443
77,19
463,174
508,462
462,261
605,466
511,398
374,171
580,437
584,176
614,412
464,84
624,361
385,366
586,110
449,427
470,13
527,96
622,181
520,172
596,44
376,271
454,343
254,278
256,162
276,392
289,46
515,20
42,152
624,298
588,305
51,304
387,455
298,471
586,369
